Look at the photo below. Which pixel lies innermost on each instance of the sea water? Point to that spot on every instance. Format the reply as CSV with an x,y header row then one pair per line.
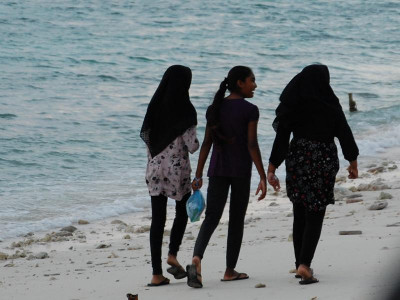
x,y
76,78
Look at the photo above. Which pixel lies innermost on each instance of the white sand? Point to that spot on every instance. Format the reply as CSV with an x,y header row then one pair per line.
x,y
348,267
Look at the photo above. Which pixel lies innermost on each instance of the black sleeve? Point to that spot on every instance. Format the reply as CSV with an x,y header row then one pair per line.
x,y
346,138
281,146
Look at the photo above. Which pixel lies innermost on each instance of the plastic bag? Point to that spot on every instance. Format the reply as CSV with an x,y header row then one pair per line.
x,y
195,206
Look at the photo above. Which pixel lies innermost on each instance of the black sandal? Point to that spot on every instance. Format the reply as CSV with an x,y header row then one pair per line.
x,y
309,280
193,277
165,281
177,272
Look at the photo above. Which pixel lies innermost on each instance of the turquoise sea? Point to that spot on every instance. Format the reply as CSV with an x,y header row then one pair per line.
x,y
76,78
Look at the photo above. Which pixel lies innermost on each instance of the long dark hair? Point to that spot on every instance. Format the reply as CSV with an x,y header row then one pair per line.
x,y
213,112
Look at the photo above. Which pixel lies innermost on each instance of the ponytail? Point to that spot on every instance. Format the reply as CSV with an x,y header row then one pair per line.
x,y
213,112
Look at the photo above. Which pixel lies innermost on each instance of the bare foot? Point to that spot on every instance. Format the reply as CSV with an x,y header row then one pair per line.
x,y
157,279
305,271
172,261
197,262
299,276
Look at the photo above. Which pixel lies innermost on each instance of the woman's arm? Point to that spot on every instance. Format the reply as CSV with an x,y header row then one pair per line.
x,y
255,153
204,151
272,179
190,139
348,144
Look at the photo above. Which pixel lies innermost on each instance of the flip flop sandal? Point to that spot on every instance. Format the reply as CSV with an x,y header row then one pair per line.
x,y
164,282
193,277
309,280
239,276
177,272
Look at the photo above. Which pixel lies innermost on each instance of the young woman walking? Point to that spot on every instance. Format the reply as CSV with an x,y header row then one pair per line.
x,y
311,111
232,131
169,131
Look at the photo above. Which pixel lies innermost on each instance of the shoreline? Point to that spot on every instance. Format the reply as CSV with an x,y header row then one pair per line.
x,y
108,258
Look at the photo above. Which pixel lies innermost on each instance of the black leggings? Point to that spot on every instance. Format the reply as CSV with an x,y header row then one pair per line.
x,y
159,215
307,226
217,194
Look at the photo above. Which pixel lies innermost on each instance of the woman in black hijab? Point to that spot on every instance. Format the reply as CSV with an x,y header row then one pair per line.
x,y
169,131
311,111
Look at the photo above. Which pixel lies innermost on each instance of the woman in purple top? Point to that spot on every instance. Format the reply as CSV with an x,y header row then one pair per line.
x,y
232,131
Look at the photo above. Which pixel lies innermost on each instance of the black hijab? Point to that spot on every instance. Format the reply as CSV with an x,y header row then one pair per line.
x,y
308,96
170,112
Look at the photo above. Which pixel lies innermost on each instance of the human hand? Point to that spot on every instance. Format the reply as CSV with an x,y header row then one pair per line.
x,y
273,181
262,186
197,183
353,170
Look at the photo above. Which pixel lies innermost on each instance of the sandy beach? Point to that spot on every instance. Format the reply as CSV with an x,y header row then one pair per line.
x,y
110,258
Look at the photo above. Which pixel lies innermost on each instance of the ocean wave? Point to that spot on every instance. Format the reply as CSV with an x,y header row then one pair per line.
x,y
7,116
93,61
379,139
107,78
17,163
98,212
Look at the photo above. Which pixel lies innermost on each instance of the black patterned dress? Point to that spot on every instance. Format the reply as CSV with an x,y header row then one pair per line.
x,y
311,168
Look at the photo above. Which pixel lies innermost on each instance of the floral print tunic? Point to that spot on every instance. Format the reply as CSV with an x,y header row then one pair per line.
x,y
168,173
311,169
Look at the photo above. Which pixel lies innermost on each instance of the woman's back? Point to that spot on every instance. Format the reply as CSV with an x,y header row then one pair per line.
x,y
231,158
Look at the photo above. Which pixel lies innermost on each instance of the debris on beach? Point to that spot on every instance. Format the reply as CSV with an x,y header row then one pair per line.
x,y
119,222
260,285
3,256
384,196
83,222
378,205
350,232
376,170
9,265
397,224
352,196
375,185
40,255
69,229
348,201
102,246
143,229
113,255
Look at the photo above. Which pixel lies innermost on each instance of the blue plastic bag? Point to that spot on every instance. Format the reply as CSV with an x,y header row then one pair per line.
x,y
195,206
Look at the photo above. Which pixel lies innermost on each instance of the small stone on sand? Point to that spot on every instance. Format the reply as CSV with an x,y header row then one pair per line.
x,y
69,228
348,201
350,232
378,205
384,196
102,246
